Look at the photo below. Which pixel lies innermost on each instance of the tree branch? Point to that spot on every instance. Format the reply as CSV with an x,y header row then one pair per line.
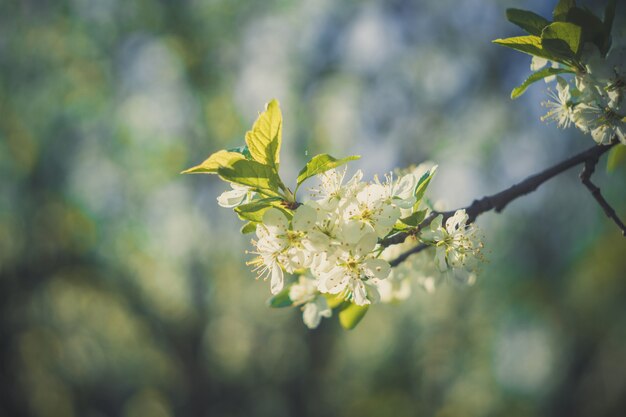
x,y
585,177
500,200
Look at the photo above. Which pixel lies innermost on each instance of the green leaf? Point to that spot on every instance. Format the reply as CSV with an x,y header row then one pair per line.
x,y
422,185
562,39
281,299
321,163
529,21
529,44
415,218
593,29
252,174
254,211
220,159
350,316
536,76
249,227
265,138
617,157
561,9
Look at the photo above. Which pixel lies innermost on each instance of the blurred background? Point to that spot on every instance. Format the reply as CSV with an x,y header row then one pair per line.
x,y
123,286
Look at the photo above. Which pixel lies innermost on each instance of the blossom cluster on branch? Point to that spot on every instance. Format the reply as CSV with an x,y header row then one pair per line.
x,y
589,66
333,238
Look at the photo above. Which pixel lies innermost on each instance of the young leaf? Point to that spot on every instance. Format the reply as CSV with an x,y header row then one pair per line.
x,y
562,39
266,135
422,185
252,174
249,227
415,218
617,157
561,9
219,159
536,76
281,299
254,211
350,316
529,21
593,29
321,163
530,44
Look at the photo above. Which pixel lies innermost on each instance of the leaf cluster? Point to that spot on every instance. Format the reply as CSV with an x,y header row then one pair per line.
x,y
561,40
256,165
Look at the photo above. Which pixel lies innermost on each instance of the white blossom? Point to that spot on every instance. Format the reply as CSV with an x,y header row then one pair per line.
x,y
239,194
314,305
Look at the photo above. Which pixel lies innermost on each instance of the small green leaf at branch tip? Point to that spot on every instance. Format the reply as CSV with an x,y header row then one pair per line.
x,y
264,140
351,315
321,163
220,159
536,76
281,299
616,158
422,185
529,21
562,39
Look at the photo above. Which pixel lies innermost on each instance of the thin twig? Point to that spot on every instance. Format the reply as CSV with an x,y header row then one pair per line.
x,y
502,199
585,178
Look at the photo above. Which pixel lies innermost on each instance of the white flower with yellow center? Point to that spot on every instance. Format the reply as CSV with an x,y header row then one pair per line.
x,y
284,245
353,268
456,245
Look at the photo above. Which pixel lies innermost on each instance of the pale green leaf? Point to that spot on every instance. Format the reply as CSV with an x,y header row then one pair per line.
x,y
252,174
265,138
321,163
529,44
351,315
536,76
529,21
593,29
562,39
422,185
220,159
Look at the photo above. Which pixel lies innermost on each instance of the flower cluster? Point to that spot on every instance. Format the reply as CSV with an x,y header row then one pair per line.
x,y
593,99
336,239
333,240
577,50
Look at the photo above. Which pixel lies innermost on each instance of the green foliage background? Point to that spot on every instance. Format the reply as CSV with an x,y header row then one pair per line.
x,y
123,288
